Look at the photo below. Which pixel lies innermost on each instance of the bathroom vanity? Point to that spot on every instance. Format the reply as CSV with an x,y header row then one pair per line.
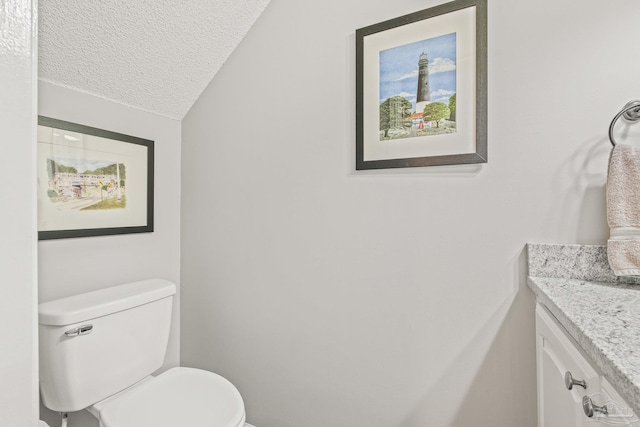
x,y
587,338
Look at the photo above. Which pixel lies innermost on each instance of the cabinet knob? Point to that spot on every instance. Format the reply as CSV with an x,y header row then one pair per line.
x,y
569,381
590,409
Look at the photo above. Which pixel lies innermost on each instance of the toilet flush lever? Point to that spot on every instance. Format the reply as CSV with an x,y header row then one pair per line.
x,y
80,330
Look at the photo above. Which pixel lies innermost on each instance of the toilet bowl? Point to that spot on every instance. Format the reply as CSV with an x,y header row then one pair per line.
x,y
98,352
179,396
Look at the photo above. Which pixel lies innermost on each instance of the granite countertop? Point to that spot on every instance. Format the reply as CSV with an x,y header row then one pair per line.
x,y
600,311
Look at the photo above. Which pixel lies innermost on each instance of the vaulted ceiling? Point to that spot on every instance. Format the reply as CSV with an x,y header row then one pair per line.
x,y
156,55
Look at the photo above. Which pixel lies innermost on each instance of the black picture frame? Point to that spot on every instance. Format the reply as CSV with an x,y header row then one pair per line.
x,y
414,146
86,144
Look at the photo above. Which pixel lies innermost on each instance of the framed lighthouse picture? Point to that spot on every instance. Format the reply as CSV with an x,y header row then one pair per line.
x,y
421,88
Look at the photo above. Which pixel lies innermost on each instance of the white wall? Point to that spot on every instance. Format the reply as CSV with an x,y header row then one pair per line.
x,y
72,266
393,298
18,87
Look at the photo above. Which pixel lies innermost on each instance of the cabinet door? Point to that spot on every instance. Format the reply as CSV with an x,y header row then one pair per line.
x,y
557,355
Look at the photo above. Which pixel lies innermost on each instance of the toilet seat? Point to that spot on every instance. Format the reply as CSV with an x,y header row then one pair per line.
x,y
177,397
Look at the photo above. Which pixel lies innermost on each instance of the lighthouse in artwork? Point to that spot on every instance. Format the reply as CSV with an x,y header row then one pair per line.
x,y
423,97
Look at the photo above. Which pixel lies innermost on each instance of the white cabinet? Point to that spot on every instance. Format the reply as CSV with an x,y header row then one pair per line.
x,y
569,386
557,355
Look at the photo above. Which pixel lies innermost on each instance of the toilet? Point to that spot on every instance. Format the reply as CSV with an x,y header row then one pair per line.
x,y
98,351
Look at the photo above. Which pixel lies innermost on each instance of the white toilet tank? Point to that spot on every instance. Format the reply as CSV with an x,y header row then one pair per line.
x,y
96,344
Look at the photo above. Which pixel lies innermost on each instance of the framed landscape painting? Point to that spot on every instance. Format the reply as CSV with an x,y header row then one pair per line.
x,y
92,182
421,88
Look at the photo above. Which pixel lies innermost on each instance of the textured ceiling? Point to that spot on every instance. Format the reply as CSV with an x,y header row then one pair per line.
x,y
157,55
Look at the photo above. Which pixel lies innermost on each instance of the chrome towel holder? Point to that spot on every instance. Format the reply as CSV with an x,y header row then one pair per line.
x,y
631,112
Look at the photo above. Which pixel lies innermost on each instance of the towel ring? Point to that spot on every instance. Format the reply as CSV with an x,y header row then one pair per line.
x,y
631,112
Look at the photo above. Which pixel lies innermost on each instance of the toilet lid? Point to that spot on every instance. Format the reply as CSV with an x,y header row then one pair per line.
x,y
178,397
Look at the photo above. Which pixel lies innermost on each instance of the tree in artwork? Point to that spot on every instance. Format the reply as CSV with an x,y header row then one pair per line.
x,y
393,113
436,112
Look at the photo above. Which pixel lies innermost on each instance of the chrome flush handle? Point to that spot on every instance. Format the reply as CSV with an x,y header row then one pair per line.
x,y
80,330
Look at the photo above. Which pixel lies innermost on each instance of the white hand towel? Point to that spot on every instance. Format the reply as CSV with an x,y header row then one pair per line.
x,y
623,210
